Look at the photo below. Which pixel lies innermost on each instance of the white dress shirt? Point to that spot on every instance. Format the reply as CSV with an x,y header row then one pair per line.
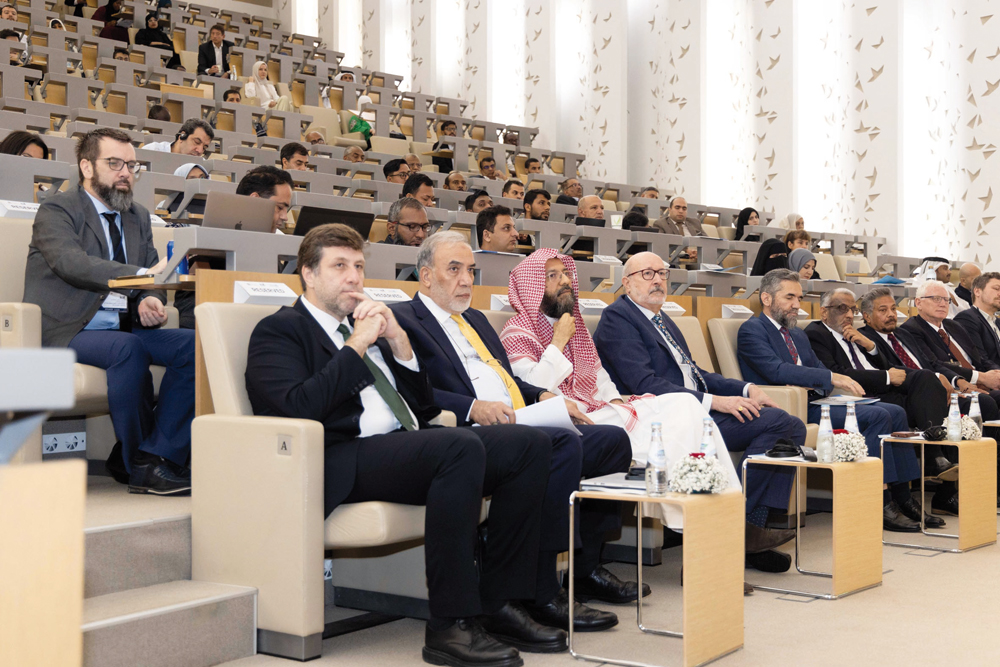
x,y
218,57
159,146
975,373
376,415
991,320
913,357
487,382
861,352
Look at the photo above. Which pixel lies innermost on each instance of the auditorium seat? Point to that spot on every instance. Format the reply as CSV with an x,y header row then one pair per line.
x,y
848,265
827,267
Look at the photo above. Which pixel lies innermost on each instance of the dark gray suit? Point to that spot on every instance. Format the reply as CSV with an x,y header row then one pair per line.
x,y
67,272
667,226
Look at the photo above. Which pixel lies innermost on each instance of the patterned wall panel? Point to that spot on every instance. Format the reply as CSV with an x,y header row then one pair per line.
x,y
423,32
540,108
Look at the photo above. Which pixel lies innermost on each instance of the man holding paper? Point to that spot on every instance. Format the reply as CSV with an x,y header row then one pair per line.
x,y
471,376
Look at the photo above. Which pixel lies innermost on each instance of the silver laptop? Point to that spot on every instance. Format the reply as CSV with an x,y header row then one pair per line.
x,y
249,214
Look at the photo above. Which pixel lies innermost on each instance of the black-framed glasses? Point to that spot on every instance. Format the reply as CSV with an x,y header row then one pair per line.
x,y
414,227
647,274
116,164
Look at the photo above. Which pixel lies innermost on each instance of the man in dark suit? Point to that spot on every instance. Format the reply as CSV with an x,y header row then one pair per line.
x,y
340,358
213,55
966,276
472,377
645,353
772,350
570,192
842,349
445,164
80,240
980,321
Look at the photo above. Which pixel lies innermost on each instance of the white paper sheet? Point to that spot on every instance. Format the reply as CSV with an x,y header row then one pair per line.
x,y
551,412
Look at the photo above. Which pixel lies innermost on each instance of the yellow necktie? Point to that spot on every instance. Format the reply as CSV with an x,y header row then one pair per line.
x,y
484,354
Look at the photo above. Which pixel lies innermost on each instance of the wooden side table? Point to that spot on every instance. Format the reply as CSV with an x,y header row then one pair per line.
x,y
857,525
977,492
713,572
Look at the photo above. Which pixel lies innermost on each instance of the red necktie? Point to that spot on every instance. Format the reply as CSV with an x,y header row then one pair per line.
x,y
791,346
955,352
901,353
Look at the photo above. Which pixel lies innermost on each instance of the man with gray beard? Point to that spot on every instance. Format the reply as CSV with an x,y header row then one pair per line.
x,y
80,240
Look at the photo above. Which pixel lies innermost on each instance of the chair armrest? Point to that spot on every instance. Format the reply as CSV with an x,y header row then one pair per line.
x,y
812,432
20,325
793,400
173,318
446,418
257,514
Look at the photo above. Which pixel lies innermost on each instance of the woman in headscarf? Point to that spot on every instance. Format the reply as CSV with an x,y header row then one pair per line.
x,y
747,216
260,87
56,24
154,35
803,263
189,171
789,222
773,254
549,349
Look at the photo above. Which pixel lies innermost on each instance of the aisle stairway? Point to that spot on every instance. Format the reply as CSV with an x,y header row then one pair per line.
x,y
141,606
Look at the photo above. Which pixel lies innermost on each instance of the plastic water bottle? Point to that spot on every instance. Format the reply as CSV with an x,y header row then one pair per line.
x,y
974,412
656,463
182,267
708,437
851,420
824,442
954,420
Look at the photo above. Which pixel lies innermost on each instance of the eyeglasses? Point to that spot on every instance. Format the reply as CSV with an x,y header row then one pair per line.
x,y
647,274
559,275
843,309
116,164
936,299
414,227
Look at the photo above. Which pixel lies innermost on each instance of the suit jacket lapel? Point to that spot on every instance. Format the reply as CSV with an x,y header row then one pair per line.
x,y
93,220
318,332
778,341
437,333
934,336
646,323
130,232
989,327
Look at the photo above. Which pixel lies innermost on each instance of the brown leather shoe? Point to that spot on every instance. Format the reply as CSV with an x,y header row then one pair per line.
x,y
759,540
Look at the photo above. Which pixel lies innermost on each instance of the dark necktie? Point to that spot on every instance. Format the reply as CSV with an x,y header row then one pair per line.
x,y
791,345
118,255
385,388
854,356
662,326
955,352
901,353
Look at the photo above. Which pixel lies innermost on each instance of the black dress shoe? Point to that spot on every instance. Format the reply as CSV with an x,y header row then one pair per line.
x,y
893,519
768,561
155,474
759,540
912,510
466,644
512,625
555,614
603,586
115,465
941,468
941,504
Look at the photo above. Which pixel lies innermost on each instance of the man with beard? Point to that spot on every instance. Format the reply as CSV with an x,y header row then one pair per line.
x,y
495,229
537,204
772,351
81,239
407,223
980,321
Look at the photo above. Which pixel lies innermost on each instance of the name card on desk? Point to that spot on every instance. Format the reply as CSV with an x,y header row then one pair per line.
x,y
607,259
386,294
804,315
264,294
711,267
157,220
735,311
673,309
17,209
592,306
500,302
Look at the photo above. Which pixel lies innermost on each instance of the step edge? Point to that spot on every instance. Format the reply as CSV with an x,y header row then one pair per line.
x,y
135,524
242,591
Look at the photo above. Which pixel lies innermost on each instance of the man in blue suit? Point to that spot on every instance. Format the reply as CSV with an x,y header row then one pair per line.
x,y
471,376
645,353
772,350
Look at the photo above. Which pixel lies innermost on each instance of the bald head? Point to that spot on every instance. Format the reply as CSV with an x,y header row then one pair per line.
x,y
590,206
967,274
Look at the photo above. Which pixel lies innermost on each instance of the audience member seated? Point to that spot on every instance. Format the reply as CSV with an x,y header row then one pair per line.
x,y
644,352
77,6
936,268
747,217
488,168
495,229
158,112
16,58
413,162
194,138
513,189
676,220
81,239
532,166
271,183
444,164
112,15
8,12
232,96
773,351
966,276
420,187
354,154
24,144
342,359
472,377
154,35
790,221
260,87
591,207
56,24
455,181
570,191
213,55
407,223
980,321
189,171
396,171
477,201
315,135
843,349
295,157
121,54
635,220
773,254
803,263
798,238
649,193
537,204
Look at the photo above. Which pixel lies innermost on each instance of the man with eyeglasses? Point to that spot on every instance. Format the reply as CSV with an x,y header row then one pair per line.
x,y
396,171
194,138
407,223
81,239
645,353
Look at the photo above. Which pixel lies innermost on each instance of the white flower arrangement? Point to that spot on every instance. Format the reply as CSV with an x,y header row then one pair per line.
x,y
697,473
970,430
848,446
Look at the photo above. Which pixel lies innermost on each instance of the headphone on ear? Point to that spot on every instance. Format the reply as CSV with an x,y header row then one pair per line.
x,y
181,136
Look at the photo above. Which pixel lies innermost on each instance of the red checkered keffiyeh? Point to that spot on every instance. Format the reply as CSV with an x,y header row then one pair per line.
x,y
527,334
